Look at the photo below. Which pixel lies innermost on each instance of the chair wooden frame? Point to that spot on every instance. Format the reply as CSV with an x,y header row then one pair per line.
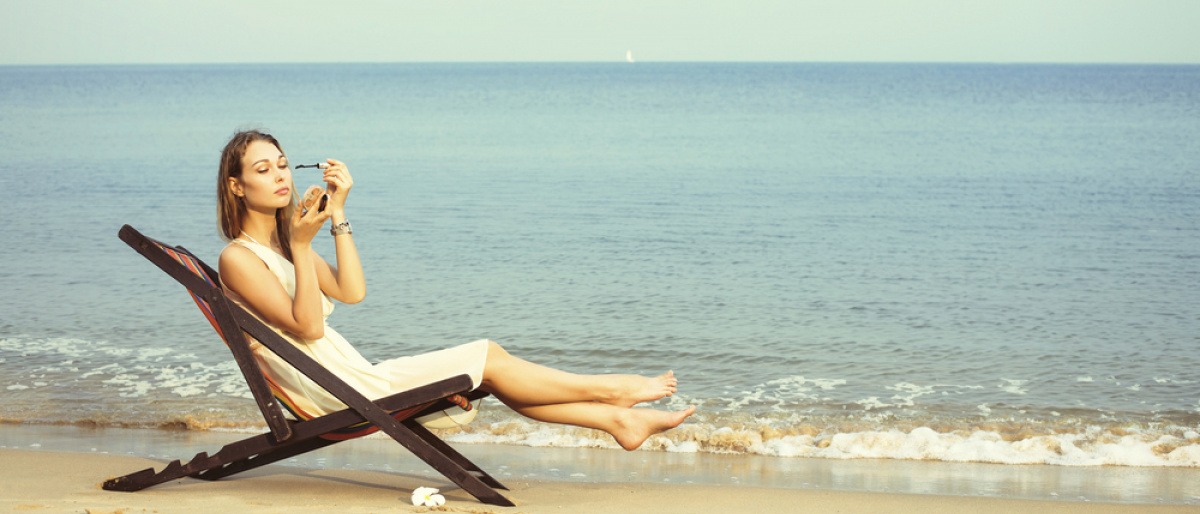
x,y
287,438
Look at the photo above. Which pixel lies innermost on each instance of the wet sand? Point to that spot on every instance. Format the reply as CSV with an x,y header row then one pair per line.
x,y
60,469
33,481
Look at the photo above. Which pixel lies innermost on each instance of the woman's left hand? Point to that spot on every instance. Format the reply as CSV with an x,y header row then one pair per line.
x,y
340,182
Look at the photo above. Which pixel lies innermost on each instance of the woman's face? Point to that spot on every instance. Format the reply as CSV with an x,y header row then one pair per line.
x,y
266,181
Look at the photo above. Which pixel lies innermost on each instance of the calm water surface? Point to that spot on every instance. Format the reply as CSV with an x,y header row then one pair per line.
x,y
939,262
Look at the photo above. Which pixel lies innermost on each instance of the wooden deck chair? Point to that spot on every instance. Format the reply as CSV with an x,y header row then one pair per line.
x,y
394,415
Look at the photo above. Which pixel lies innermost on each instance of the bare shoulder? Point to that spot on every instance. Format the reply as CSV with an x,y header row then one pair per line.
x,y
235,253
237,260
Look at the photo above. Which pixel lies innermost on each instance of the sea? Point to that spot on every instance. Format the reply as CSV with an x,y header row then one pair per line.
x,y
960,263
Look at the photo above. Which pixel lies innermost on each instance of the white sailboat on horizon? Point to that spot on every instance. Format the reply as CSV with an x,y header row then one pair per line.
x,y
629,56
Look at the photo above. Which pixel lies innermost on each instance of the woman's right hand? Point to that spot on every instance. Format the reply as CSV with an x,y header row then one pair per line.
x,y
307,219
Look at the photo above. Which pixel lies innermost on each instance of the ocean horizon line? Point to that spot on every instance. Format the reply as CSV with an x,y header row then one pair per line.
x,y
614,62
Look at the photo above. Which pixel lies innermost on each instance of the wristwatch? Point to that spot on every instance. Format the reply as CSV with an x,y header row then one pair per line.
x,y
341,228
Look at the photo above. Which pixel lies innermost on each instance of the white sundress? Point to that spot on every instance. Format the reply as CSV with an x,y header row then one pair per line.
x,y
337,355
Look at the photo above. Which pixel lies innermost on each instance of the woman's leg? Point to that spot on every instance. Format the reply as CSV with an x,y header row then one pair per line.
x,y
525,383
630,427
601,402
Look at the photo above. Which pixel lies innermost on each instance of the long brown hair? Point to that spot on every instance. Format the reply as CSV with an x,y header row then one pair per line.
x,y
231,209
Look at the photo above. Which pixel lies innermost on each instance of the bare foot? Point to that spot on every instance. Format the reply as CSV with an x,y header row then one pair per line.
x,y
634,389
634,426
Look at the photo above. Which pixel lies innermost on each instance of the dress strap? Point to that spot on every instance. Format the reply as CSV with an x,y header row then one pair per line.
x,y
251,239
263,252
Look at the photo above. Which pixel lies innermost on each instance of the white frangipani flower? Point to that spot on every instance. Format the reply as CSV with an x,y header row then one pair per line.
x,y
428,497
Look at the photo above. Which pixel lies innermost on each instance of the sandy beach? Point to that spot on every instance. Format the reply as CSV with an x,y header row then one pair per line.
x,y
45,481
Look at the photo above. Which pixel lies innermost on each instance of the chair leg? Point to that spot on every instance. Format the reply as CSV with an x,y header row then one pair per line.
x,y
269,456
201,463
444,464
246,455
450,452
259,450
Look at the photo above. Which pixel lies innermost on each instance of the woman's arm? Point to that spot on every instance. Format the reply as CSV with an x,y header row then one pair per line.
x,y
243,272
343,282
246,274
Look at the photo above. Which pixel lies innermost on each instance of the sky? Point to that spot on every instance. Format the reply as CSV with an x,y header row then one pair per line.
x,y
237,31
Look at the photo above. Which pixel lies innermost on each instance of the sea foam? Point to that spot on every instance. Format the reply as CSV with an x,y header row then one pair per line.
x,y
1090,446
788,417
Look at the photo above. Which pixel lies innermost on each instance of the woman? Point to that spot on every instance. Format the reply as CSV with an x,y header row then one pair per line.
x,y
271,268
